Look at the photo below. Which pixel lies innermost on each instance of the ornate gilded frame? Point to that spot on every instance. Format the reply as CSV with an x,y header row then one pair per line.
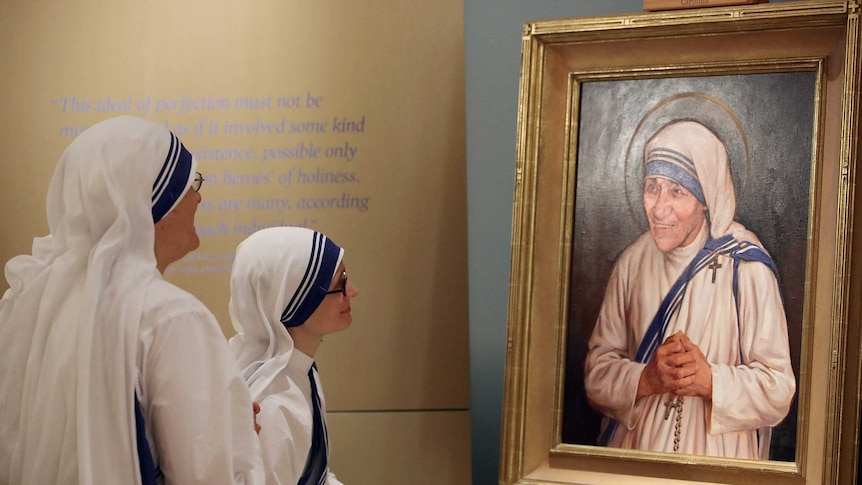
x,y
558,58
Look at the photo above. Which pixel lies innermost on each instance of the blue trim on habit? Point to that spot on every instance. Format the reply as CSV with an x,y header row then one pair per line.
x,y
318,455
172,180
675,166
150,473
315,282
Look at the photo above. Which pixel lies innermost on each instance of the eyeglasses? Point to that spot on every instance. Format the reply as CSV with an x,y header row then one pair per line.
x,y
343,289
197,182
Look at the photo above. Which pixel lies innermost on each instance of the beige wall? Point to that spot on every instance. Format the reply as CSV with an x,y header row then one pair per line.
x,y
397,380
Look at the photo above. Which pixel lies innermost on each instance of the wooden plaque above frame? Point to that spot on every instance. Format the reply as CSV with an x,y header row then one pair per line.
x,y
779,84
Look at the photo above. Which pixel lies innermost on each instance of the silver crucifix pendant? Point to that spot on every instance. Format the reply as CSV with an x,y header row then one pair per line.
x,y
668,405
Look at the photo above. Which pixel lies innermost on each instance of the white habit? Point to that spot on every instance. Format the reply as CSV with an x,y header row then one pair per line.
x,y
88,323
745,341
280,274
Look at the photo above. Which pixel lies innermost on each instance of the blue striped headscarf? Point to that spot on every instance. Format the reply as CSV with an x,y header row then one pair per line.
x,y
674,165
323,257
174,179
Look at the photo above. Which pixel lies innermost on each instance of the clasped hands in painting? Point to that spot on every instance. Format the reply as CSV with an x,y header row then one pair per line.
x,y
678,367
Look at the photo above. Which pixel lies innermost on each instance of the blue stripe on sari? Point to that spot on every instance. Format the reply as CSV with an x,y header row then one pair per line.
x,y
316,464
150,473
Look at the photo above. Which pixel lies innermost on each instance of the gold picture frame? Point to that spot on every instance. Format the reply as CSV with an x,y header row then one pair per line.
x,y
787,77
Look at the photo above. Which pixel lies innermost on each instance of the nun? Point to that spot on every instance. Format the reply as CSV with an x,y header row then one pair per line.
x,y
690,352
289,289
109,373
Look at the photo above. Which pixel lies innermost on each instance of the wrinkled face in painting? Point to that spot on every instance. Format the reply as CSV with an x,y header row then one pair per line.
x,y
674,214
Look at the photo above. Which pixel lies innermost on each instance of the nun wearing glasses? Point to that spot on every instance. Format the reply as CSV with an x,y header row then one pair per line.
x,y
110,374
289,289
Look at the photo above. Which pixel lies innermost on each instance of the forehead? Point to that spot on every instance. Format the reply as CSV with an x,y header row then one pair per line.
x,y
660,180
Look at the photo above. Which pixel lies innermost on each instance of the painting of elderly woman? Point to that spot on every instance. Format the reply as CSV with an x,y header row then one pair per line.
x,y
685,322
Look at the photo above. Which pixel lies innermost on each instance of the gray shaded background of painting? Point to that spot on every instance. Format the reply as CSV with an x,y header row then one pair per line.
x,y
776,111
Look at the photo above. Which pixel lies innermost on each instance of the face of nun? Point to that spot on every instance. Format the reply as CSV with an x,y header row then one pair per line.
x,y
175,232
674,214
332,315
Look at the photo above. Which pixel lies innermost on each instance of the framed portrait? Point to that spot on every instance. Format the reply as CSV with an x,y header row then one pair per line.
x,y
684,300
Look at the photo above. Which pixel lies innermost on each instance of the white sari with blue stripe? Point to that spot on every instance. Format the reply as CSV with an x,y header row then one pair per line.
x,y
742,333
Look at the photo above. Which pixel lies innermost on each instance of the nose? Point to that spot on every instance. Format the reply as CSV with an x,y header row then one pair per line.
x,y
352,290
661,205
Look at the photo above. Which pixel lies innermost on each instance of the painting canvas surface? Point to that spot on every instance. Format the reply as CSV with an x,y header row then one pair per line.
x,y
767,123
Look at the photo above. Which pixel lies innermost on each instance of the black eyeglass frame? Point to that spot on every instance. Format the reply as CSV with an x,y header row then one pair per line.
x,y
343,289
197,182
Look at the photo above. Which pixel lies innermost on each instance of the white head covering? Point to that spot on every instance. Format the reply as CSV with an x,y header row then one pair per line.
x,y
69,322
691,155
279,277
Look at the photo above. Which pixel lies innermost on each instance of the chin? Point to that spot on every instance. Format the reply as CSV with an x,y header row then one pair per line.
x,y
187,248
665,245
